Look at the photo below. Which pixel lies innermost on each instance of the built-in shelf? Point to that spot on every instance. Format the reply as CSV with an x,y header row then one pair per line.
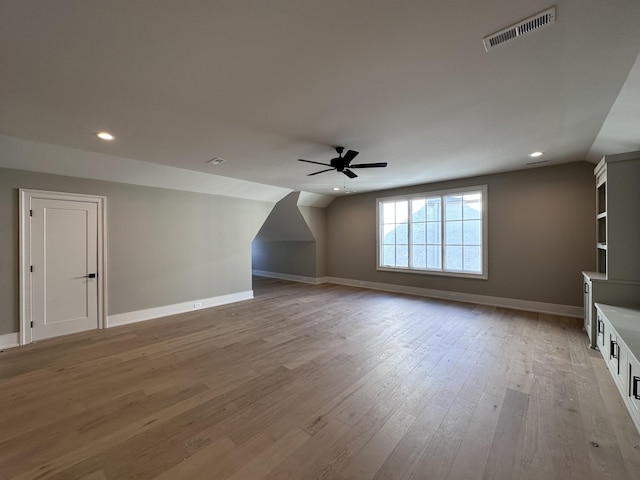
x,y
617,220
616,280
601,217
601,191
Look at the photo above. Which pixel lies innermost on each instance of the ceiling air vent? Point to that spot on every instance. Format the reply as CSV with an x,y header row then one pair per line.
x,y
216,161
521,28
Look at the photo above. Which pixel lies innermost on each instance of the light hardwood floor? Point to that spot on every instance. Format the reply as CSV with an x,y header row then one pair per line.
x,y
318,382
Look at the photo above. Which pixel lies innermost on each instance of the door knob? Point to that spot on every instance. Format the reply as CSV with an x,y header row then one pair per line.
x,y
91,275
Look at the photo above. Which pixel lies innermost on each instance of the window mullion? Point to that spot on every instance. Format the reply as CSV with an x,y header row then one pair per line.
x,y
443,226
409,236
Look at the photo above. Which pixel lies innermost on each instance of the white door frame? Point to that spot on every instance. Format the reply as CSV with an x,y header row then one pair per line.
x,y
25,253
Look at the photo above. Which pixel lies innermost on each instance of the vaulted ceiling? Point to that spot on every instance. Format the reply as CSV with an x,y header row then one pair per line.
x,y
261,83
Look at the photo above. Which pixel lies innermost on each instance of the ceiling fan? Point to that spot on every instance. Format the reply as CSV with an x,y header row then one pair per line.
x,y
343,164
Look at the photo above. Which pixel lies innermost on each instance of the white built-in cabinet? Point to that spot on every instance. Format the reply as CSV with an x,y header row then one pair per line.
x,y
616,280
597,288
618,339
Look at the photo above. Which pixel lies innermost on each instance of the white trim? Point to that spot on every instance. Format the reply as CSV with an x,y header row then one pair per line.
x,y
25,197
157,312
528,305
292,278
9,340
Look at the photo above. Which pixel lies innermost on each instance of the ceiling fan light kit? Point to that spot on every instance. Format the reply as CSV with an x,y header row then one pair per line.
x,y
343,164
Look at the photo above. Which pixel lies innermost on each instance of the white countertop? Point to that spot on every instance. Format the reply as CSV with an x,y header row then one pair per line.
x,y
626,321
595,275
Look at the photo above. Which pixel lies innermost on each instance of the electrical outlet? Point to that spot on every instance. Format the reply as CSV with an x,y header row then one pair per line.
x,y
197,305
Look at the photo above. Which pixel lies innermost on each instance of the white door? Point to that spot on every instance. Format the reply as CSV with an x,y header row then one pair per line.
x,y
64,263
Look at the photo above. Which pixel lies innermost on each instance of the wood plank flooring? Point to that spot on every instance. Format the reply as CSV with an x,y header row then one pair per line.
x,y
318,382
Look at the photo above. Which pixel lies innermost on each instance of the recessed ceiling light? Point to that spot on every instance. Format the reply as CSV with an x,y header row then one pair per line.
x,y
105,135
535,154
335,189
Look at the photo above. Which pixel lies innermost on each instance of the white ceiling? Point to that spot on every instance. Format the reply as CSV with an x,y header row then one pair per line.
x,y
261,83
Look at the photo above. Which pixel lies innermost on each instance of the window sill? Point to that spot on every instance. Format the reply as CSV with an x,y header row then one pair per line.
x,y
437,273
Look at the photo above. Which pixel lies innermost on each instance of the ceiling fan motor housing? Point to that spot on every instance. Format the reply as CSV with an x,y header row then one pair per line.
x,y
337,163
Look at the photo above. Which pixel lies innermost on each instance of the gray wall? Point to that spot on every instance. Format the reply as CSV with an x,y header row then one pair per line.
x,y
163,246
292,258
541,235
316,218
292,240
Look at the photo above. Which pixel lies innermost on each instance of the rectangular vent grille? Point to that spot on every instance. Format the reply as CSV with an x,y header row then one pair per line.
x,y
524,27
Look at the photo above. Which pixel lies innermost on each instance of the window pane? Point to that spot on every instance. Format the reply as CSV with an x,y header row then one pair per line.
x,y
453,258
433,233
402,256
472,259
419,256
418,233
472,232
389,255
472,206
433,209
417,210
389,234
388,212
434,259
402,213
453,207
402,233
453,233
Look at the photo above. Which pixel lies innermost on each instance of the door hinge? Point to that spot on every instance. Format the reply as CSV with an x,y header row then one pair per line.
x,y
31,268
31,213
31,324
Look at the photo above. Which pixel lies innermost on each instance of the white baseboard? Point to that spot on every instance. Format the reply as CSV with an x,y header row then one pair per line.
x,y
9,340
527,305
292,278
157,312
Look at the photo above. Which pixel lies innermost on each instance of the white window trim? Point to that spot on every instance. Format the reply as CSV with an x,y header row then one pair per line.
x,y
485,232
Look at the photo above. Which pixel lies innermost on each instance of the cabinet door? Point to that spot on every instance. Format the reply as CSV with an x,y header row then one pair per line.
x,y
616,358
586,288
633,391
601,340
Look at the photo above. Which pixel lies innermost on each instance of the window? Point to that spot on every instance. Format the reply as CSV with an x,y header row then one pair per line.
x,y
440,232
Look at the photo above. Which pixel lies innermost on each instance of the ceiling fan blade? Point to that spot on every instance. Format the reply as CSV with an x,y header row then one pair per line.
x,y
321,171
350,155
317,163
349,173
369,165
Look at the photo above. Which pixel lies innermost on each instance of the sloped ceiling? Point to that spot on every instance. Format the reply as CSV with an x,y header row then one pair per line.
x,y
621,130
286,223
262,83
